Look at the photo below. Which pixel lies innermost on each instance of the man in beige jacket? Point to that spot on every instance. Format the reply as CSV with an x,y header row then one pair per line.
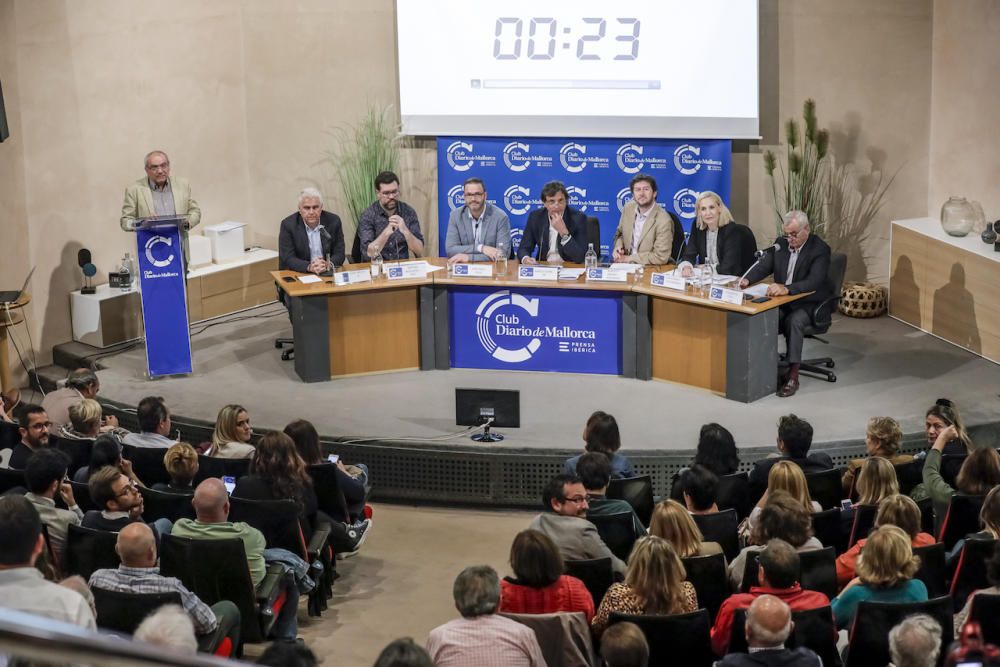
x,y
645,233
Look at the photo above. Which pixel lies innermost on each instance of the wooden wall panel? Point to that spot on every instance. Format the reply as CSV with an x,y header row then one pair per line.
x,y
689,344
374,331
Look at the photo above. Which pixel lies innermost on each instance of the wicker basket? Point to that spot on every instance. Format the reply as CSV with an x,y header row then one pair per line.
x,y
863,300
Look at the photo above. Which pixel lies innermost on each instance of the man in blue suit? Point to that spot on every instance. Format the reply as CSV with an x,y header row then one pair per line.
x,y
556,231
477,229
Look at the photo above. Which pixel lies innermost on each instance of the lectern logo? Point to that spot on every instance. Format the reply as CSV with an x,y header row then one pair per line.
x,y
152,243
504,321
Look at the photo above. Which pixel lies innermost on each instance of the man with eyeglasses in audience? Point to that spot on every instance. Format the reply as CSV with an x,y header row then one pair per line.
x,y
119,501
389,226
800,264
34,426
566,523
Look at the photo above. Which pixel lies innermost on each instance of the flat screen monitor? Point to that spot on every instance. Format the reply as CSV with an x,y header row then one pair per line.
x,y
474,407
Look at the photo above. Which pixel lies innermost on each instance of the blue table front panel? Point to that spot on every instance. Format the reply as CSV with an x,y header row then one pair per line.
x,y
536,330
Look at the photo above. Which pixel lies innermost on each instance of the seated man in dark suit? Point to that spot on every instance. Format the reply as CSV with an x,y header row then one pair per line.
x,y
801,264
309,236
557,231
769,623
794,440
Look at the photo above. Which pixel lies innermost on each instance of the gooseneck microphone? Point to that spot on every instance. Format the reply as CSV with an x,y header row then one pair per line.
x,y
761,253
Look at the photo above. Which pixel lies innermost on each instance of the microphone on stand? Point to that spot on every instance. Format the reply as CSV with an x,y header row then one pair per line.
x,y
760,253
326,242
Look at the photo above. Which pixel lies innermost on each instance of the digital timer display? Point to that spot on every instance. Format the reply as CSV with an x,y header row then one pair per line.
x,y
545,38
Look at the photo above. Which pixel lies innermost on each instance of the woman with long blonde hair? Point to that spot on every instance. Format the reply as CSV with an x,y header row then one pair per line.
x,y
716,239
232,435
654,584
877,480
784,476
673,522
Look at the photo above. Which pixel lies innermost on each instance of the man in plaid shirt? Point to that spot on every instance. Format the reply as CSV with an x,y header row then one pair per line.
x,y
139,573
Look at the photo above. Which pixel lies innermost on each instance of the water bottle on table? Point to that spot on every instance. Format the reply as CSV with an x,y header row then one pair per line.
x,y
590,259
501,260
376,263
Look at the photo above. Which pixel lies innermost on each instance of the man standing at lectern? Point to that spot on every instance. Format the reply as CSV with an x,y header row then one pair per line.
x,y
310,235
800,264
159,194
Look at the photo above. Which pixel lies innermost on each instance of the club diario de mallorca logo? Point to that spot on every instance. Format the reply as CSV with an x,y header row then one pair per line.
x,y
688,160
517,199
629,158
504,322
152,250
684,200
456,197
461,156
623,197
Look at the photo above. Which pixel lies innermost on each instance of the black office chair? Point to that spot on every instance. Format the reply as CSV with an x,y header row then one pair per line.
x,y
869,636
163,505
825,488
962,519
89,550
147,464
908,475
827,527
594,233
864,520
286,345
986,611
678,240
212,466
734,493
817,571
12,480
720,527
708,576
637,492
747,245
822,318
933,570
617,531
676,639
596,574
970,573
813,629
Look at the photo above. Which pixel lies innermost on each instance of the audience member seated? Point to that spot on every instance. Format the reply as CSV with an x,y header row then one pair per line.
x,y
139,573
181,462
170,627
232,435
989,517
698,488
768,626
993,577
481,637
539,585
784,476
277,472
45,476
882,438
624,645
979,473
119,501
674,524
81,384
154,424
84,421
940,416
34,428
784,518
716,451
794,440
895,510
106,452
565,524
211,507
403,652
915,642
22,587
885,569
600,434
287,654
594,471
654,584
876,481
778,575
352,480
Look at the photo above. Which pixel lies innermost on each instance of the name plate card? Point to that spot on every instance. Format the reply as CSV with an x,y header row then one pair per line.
x,y
405,271
726,295
607,275
351,277
538,273
668,281
473,270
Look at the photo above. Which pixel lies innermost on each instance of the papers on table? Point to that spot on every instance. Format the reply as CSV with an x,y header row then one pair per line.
x,y
627,267
760,289
310,279
570,274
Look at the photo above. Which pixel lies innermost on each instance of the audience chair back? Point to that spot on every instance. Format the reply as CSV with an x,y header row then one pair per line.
x,y
637,492
12,479
708,576
986,612
685,636
81,494
926,507
278,520
10,435
818,571
828,528
78,451
617,531
210,466
970,573
869,637
329,495
123,612
734,493
164,505
678,237
908,475
932,571
217,570
825,488
864,521
147,464
814,629
722,528
961,519
596,574
950,465
88,550
564,637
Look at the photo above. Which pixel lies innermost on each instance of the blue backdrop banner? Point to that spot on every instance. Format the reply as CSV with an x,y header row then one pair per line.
x,y
536,329
164,300
596,173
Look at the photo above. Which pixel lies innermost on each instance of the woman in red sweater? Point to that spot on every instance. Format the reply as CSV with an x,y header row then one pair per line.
x,y
539,585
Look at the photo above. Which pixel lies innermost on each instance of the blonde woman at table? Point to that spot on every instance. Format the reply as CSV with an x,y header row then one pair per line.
x,y
717,240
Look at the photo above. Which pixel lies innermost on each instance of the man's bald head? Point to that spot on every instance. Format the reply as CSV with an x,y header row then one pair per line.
x,y
211,502
769,622
136,545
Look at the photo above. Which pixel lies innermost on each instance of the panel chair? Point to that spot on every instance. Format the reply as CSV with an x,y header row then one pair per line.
x,y
822,319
